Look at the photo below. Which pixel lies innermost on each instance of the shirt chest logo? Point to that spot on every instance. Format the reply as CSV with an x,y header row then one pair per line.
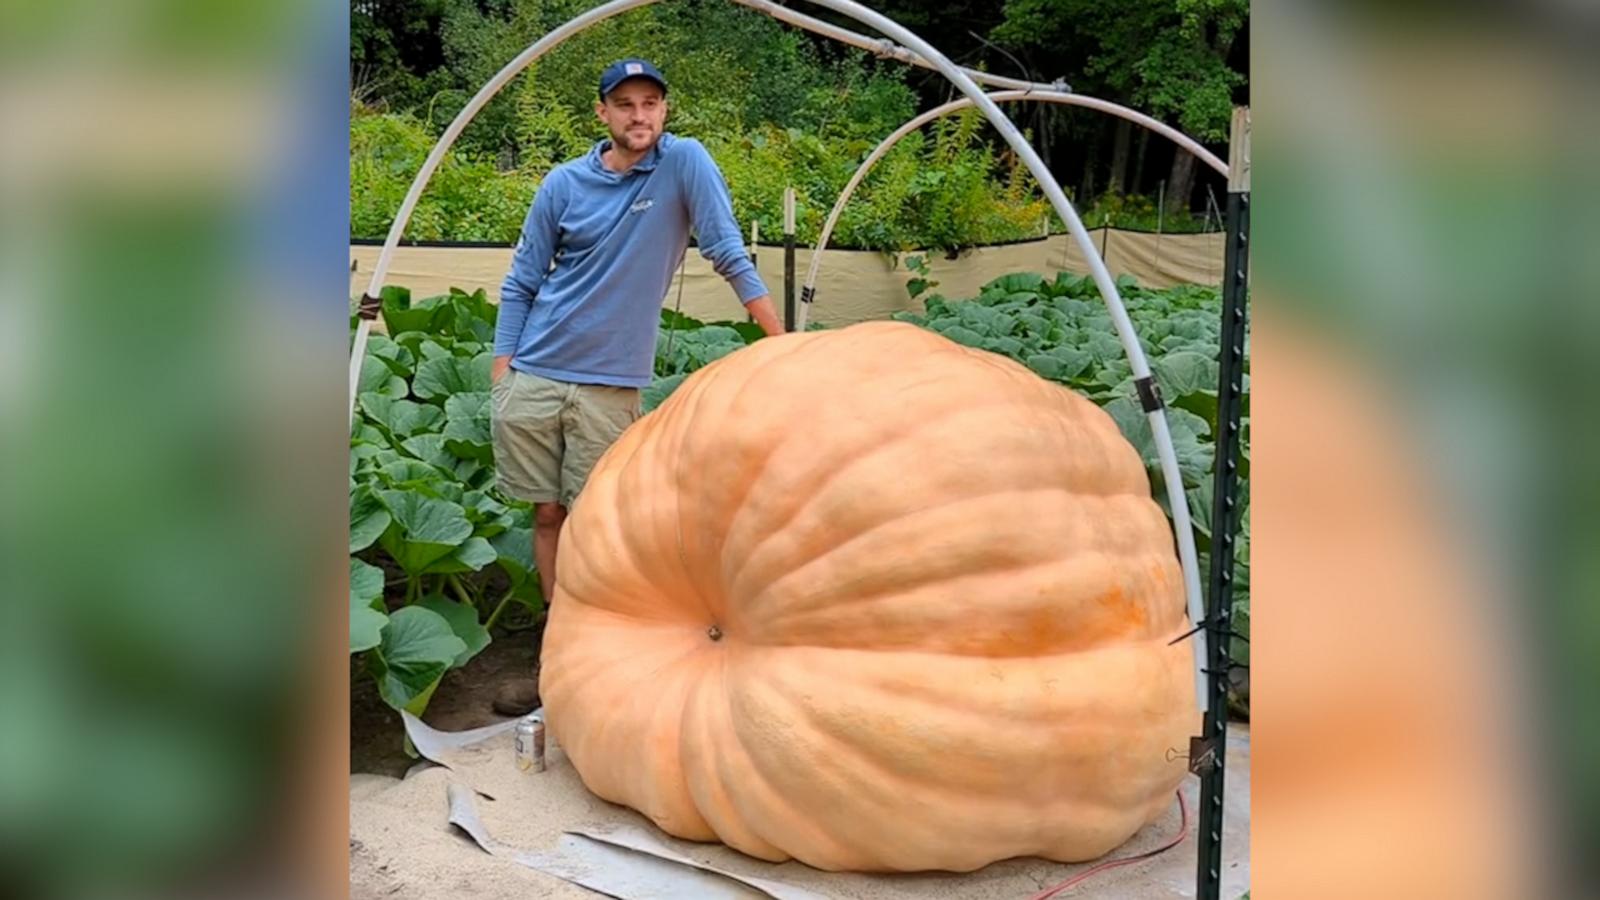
x,y
640,206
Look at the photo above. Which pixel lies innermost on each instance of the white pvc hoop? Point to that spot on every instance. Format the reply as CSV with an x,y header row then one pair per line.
x,y
965,82
888,143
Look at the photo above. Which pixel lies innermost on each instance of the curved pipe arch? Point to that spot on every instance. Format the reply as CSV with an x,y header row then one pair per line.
x,y
883,48
1138,363
911,125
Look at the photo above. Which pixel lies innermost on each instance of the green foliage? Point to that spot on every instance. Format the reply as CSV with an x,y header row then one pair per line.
x,y
1136,212
424,511
394,51
424,59
467,198
803,117
922,283
703,46
943,191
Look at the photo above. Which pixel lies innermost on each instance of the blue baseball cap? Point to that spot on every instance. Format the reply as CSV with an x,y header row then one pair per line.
x,y
622,70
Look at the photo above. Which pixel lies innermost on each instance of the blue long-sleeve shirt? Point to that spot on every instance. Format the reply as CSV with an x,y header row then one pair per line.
x,y
598,252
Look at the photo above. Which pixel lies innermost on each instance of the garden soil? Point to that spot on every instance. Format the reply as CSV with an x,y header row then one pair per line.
x,y
401,845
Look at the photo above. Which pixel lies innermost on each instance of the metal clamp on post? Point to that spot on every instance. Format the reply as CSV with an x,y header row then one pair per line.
x,y
1149,393
369,306
806,293
1202,754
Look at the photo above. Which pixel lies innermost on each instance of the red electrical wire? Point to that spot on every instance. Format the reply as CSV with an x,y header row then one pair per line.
x,y
1183,832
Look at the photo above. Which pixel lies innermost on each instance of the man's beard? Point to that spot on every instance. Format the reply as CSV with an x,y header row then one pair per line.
x,y
633,143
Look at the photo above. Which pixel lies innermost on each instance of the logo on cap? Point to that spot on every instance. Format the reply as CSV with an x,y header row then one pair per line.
x,y
634,69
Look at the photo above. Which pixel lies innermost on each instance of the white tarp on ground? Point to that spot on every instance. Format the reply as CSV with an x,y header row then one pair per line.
x,y
853,285
402,843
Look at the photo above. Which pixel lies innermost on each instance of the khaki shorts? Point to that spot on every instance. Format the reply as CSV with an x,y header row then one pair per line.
x,y
549,434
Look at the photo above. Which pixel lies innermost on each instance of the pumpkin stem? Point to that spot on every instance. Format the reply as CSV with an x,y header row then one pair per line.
x,y
714,633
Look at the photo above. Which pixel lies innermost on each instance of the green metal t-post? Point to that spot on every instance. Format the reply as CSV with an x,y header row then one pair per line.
x,y
788,259
1212,746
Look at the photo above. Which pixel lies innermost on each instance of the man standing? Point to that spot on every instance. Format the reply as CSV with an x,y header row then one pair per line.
x,y
580,308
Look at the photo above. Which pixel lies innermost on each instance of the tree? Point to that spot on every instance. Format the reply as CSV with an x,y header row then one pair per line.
x,y
1169,58
394,47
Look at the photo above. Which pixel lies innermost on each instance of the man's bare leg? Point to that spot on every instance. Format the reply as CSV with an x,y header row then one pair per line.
x,y
547,519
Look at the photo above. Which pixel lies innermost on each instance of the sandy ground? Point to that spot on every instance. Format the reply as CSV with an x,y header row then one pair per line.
x,y
401,845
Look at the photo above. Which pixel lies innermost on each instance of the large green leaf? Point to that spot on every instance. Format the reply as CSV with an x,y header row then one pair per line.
x,y
963,335
366,621
1194,454
467,433
424,529
368,433
361,456
401,417
686,351
464,624
477,552
489,517
750,331
377,379
472,405
430,449
1201,403
1076,310
443,376
368,518
1005,346
982,319
412,341
474,315
1060,363
1131,420
401,314
484,504
1067,285
677,321
1034,323
1199,498
1015,282
659,390
1202,328
412,474
1189,441
399,359
1185,372
475,474
471,556
366,583
418,646
366,628
515,549
1104,347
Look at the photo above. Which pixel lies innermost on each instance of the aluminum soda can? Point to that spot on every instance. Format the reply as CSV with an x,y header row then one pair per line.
x,y
530,743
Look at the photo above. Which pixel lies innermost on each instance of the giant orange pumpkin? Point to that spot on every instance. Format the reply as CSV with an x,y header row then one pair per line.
x,y
873,600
